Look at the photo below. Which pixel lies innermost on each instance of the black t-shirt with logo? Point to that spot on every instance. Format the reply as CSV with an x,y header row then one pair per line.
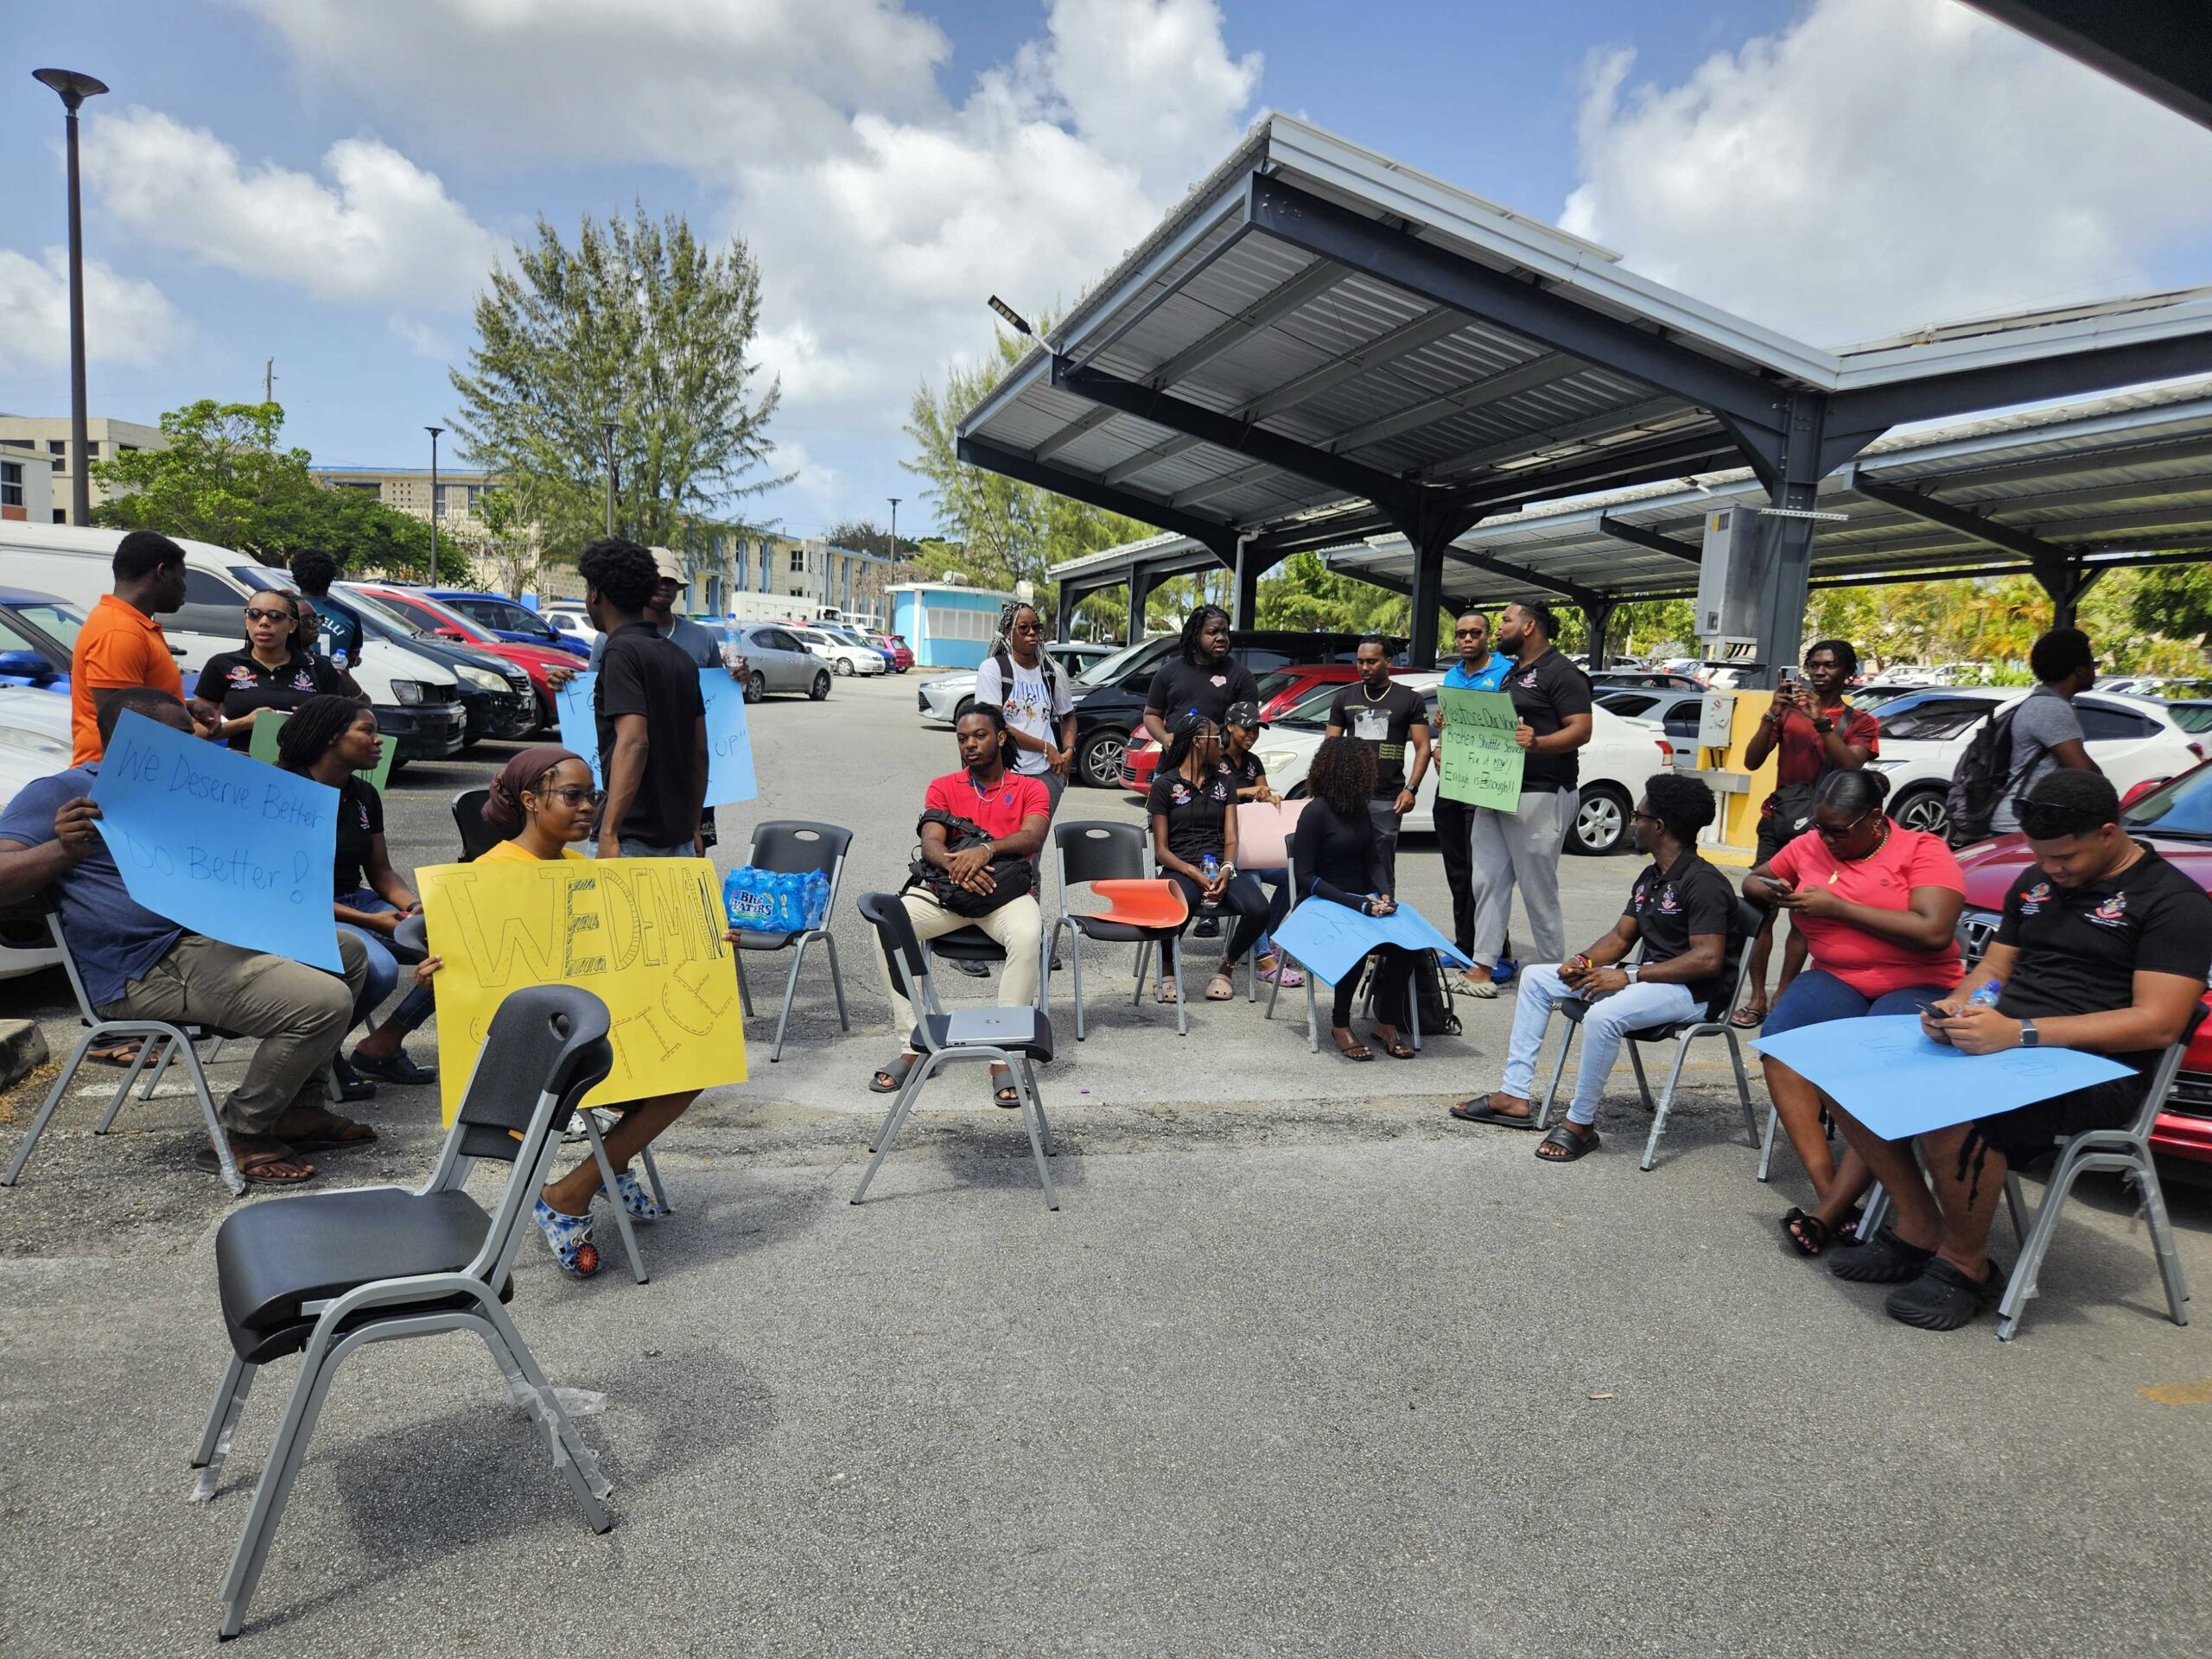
x,y
1178,688
361,817
1381,723
1247,773
1671,907
1545,693
642,674
1194,812
240,685
2081,948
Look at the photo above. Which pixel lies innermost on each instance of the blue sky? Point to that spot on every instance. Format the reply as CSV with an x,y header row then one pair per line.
x,y
1838,167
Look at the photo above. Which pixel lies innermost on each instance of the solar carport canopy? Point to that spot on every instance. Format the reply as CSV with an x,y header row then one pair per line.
x,y
1320,344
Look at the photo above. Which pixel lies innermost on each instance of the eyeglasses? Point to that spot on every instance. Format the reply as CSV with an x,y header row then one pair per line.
x,y
1844,834
252,615
574,795
1646,817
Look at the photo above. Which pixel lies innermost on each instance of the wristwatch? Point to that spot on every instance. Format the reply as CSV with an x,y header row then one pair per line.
x,y
1631,969
1824,727
2030,1037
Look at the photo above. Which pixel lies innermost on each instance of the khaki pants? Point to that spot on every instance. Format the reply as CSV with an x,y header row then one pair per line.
x,y
300,1014
1019,926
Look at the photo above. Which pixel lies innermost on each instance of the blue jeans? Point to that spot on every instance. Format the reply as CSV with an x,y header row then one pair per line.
x,y
1816,997
1277,882
384,967
1604,1028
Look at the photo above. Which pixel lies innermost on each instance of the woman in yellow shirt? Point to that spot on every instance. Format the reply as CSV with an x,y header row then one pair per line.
x,y
545,802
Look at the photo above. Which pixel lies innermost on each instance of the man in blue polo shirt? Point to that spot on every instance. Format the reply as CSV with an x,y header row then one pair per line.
x,y
1478,669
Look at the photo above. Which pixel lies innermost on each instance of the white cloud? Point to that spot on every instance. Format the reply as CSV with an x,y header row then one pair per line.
x,y
126,320
421,339
1884,163
381,230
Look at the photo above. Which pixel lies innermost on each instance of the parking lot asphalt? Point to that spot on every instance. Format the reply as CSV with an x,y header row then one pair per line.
x,y
1300,1366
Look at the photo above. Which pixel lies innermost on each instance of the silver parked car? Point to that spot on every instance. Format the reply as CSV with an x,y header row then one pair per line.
x,y
776,661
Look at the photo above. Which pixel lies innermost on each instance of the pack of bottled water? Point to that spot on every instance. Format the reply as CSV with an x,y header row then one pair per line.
x,y
766,901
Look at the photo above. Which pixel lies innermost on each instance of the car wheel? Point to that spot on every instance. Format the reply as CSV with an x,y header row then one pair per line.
x,y
1600,821
1098,762
820,689
1923,809
844,668
756,686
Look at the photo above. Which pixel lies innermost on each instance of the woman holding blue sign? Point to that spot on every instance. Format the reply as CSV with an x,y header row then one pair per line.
x,y
332,741
1338,856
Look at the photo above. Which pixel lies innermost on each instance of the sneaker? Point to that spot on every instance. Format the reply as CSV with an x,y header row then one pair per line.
x,y
973,969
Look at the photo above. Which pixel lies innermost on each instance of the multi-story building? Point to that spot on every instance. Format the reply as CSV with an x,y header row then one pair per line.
x,y
812,573
49,435
407,489
26,486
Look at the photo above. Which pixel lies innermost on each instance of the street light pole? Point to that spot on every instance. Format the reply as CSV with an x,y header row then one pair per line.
x,y
74,89
894,528
607,429
434,431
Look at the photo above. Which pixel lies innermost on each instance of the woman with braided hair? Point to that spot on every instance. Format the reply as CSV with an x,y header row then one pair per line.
x,y
330,739
1201,678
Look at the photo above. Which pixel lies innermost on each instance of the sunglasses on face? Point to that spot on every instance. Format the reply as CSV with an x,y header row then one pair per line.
x,y
1843,834
1469,633
252,615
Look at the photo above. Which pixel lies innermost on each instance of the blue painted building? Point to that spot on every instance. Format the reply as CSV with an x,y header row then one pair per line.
x,y
945,626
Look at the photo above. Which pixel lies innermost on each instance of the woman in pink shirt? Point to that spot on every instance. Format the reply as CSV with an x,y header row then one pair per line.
x,y
1879,904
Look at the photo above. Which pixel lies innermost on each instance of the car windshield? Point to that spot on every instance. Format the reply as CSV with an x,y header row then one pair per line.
x,y
2191,716
1110,668
55,618
1932,718
391,616
1312,711
422,605
2181,808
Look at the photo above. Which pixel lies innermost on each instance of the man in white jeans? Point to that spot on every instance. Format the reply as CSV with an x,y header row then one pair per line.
x,y
1684,911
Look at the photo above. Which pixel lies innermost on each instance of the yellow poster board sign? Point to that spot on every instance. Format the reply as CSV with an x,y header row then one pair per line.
x,y
643,935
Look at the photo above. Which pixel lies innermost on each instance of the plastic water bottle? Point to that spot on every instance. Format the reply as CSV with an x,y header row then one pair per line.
x,y
1210,867
730,652
1987,994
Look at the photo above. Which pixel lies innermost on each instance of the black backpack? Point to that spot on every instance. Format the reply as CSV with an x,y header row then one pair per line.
x,y
1433,997
1982,779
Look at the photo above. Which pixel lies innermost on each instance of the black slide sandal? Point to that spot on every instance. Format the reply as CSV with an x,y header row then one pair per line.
x,y
897,1072
1571,1146
1481,1111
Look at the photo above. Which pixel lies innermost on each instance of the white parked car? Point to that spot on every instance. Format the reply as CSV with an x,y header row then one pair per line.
x,y
572,622
35,742
2132,739
844,658
1615,764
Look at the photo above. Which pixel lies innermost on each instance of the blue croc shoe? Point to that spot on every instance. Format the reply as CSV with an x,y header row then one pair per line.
x,y
634,1197
570,1237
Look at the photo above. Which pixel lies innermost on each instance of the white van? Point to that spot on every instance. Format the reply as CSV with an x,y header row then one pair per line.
x,y
417,699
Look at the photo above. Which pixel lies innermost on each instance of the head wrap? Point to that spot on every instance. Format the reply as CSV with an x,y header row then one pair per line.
x,y
503,804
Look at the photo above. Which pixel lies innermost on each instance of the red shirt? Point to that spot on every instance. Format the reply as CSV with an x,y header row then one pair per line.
x,y
1871,965
998,813
1801,753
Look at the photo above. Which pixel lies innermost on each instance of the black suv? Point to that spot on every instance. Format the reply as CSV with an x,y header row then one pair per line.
x,y
1105,714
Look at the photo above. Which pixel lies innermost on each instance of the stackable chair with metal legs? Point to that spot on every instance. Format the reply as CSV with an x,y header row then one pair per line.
x,y
322,1275
1681,1034
1015,1038
166,1041
1089,851
797,846
1283,957
477,838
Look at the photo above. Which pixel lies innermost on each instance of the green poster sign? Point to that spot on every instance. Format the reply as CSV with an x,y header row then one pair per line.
x,y
263,747
1478,762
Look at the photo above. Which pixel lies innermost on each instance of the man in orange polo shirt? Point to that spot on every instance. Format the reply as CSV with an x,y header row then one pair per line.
x,y
121,646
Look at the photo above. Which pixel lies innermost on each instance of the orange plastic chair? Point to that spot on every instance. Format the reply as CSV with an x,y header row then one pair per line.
x,y
1142,904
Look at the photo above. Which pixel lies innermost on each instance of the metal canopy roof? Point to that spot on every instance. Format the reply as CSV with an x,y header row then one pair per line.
x,y
2091,485
2160,48
1320,343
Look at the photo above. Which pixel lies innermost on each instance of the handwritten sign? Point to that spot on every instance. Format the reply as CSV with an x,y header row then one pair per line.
x,y
643,935
269,721
219,843
1899,1083
1478,762
729,739
1331,941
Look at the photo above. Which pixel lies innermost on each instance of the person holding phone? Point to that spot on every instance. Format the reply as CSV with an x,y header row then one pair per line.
x,y
1811,732
1877,905
1193,806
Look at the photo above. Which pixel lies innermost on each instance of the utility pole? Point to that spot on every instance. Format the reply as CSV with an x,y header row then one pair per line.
x,y
268,381
74,89
894,529
606,430
434,431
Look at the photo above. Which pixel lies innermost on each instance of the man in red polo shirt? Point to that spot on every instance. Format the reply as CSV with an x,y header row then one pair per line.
x,y
121,646
1014,811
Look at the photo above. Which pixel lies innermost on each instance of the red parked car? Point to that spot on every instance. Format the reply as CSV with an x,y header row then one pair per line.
x,y
1281,690
2175,818
446,623
902,656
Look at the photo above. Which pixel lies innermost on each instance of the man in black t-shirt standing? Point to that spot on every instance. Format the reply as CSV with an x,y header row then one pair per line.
x,y
652,718
1520,849
1386,716
1200,678
2104,947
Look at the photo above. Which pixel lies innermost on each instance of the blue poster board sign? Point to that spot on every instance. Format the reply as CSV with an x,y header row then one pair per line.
x,y
219,843
729,737
1331,941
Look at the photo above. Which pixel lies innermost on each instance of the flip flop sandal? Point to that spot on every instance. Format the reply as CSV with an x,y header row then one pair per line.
x,y
1808,1234
123,1058
1221,988
1748,1018
1481,1111
1571,1146
1886,1259
324,1135
1398,1050
896,1071
569,1238
1357,1051
634,1197
253,1168
1942,1298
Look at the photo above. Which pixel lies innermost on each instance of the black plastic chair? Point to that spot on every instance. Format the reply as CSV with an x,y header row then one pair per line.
x,y
1681,1033
1014,1038
477,838
324,1274
1092,850
797,846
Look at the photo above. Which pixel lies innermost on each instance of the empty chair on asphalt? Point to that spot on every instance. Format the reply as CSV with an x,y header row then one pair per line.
x,y
1092,851
1014,1038
324,1274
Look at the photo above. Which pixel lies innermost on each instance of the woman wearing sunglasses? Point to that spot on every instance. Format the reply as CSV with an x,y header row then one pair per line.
x,y
1879,904
271,671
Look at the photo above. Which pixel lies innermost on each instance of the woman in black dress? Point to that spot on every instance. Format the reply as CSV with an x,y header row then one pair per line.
x,y
1339,860
1193,810
271,671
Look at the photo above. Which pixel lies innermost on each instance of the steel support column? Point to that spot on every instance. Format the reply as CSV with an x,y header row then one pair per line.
x,y
1430,528
1246,561
1792,464
1141,581
2066,586
1598,619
